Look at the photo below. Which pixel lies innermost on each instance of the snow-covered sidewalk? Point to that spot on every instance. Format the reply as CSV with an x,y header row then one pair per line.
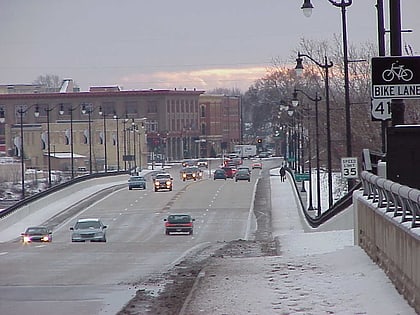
x,y
316,273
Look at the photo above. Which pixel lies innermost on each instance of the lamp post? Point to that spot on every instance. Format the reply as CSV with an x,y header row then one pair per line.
x,y
48,110
88,109
134,129
315,99
102,113
71,110
342,4
325,66
21,112
118,142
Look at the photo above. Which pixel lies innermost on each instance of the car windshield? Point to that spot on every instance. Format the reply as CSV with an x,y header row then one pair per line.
x,y
163,176
87,225
36,230
243,171
179,218
136,179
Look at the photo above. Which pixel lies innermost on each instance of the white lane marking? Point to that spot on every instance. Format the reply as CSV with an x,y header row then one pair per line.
x,y
4,253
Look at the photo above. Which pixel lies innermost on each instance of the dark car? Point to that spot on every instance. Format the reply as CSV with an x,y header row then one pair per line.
x,y
230,172
242,175
179,223
36,234
163,181
136,182
219,174
191,173
88,230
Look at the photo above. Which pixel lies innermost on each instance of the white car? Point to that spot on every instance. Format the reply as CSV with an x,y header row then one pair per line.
x,y
88,230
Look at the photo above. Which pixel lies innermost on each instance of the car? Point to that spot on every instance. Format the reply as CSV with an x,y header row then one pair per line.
x,y
242,175
187,163
219,174
230,172
88,230
179,223
163,181
264,154
256,165
37,234
136,182
191,173
244,168
202,163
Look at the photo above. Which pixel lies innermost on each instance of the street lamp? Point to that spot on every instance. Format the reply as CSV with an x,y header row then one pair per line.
x,y
48,110
88,109
71,109
21,111
315,99
325,66
102,113
118,143
134,129
342,4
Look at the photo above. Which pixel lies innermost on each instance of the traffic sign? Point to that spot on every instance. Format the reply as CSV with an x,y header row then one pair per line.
x,y
396,77
381,109
301,177
349,168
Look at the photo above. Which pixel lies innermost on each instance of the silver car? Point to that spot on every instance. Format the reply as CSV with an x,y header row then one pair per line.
x,y
88,230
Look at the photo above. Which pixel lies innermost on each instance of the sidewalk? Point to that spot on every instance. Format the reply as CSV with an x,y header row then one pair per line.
x,y
315,273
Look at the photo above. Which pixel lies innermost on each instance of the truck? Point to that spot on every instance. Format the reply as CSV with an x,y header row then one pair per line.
x,y
246,150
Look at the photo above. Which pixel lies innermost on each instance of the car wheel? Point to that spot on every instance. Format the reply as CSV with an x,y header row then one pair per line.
x,y
129,188
191,232
236,180
156,189
167,232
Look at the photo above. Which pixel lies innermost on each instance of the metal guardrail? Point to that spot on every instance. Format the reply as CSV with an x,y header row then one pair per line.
x,y
402,200
342,204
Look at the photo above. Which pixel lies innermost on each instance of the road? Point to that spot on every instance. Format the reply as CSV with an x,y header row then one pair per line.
x,y
99,278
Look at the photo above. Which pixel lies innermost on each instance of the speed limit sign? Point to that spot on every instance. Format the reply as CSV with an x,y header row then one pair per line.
x,y
349,168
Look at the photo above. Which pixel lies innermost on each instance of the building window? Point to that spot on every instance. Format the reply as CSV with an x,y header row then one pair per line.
x,y
203,129
202,111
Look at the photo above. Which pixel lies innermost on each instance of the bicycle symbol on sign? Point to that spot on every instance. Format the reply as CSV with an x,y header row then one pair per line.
x,y
397,71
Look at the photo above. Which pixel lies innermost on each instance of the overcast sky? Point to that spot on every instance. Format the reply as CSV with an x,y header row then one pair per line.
x,y
141,44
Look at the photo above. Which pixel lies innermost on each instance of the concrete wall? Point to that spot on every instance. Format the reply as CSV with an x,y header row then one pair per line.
x,y
393,245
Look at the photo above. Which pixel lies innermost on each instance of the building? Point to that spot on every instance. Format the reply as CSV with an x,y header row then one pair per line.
x,y
109,128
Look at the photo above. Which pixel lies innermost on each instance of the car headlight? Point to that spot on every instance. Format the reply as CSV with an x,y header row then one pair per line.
x,y
156,183
168,183
26,239
45,238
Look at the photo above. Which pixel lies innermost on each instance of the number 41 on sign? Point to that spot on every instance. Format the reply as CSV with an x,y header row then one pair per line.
x,y
381,109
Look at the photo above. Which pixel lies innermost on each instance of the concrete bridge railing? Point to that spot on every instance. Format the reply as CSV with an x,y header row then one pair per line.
x,y
387,227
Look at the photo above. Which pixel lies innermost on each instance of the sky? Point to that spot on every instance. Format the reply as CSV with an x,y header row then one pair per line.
x,y
140,44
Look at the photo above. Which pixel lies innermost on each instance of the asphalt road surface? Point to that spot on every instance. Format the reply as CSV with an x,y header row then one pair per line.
x,y
100,278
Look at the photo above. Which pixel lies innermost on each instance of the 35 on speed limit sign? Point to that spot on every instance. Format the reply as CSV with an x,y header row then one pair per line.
x,y
349,167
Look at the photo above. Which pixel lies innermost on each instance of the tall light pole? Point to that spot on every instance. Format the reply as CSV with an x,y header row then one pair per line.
x,y
326,65
71,110
21,112
315,99
342,4
118,142
88,109
48,110
103,114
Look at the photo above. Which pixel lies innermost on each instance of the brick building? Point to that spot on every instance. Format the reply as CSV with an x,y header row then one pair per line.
x,y
117,128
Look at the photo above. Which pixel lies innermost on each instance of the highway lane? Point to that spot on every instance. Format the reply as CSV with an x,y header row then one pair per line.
x,y
95,278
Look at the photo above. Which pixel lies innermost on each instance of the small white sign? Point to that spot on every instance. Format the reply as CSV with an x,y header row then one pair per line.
x,y
349,168
381,109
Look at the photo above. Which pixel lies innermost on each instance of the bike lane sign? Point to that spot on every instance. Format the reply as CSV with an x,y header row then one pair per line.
x,y
395,77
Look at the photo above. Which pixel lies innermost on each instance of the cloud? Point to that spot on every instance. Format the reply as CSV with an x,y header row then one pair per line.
x,y
206,79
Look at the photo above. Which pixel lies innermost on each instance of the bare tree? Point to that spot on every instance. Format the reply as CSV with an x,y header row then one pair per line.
x,y
49,81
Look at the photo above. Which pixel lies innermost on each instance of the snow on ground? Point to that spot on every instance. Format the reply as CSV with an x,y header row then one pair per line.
x,y
315,273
